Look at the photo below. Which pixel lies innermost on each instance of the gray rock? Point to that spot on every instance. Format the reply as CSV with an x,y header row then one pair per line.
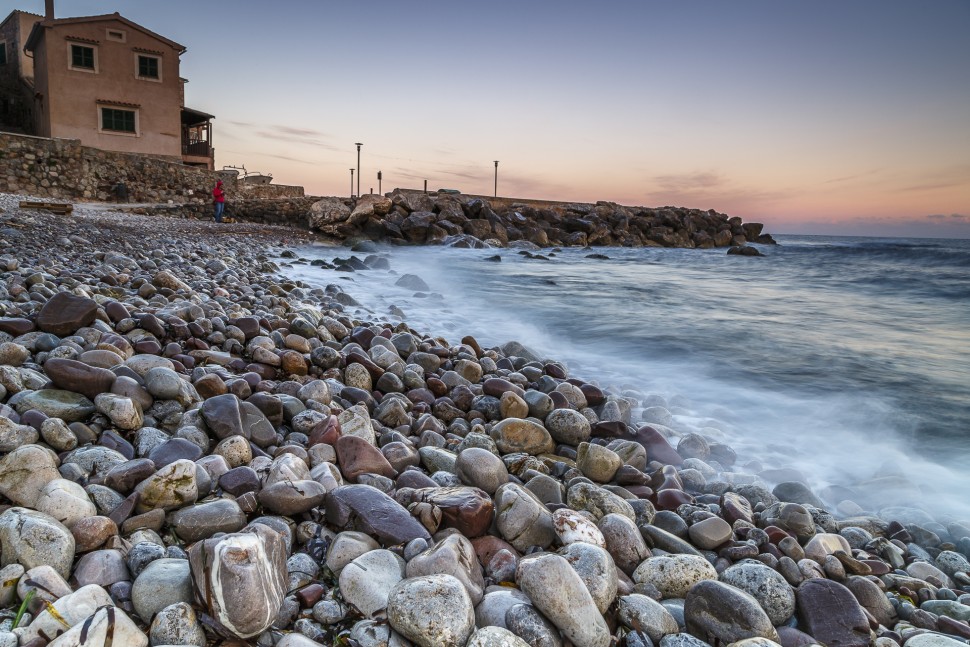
x,y
722,614
454,555
642,613
33,538
674,575
830,613
172,487
522,519
624,542
765,585
568,427
481,468
495,637
55,403
203,520
558,591
524,620
496,603
432,611
597,570
346,547
163,582
177,624
94,631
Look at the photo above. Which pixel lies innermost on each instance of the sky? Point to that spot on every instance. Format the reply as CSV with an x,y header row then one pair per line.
x,y
832,117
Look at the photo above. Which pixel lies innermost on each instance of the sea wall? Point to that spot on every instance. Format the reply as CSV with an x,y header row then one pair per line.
x,y
63,169
291,212
419,218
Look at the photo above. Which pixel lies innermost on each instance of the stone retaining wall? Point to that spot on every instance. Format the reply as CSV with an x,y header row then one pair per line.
x,y
63,169
293,212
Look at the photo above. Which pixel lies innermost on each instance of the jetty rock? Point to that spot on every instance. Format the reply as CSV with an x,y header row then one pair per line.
x,y
416,218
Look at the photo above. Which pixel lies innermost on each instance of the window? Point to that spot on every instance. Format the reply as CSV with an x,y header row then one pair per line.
x,y
147,67
116,35
3,52
82,57
122,121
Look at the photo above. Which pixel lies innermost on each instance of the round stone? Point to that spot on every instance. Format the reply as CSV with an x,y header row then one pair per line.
x,y
431,611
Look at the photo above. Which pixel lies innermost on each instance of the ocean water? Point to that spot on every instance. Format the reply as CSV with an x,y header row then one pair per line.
x,y
845,361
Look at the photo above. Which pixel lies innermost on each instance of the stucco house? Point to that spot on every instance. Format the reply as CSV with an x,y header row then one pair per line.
x,y
104,80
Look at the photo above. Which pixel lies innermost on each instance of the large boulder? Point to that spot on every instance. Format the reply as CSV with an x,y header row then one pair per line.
x,y
327,214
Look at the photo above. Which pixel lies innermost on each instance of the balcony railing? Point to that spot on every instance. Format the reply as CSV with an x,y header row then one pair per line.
x,y
198,149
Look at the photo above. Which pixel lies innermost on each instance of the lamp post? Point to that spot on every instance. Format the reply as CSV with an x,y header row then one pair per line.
x,y
358,145
351,183
379,183
496,178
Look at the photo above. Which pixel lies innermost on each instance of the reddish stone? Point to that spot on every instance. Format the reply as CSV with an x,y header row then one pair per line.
x,y
356,456
437,387
594,395
71,375
326,432
735,507
467,509
310,595
672,499
776,534
64,313
878,567
487,546
658,449
16,326
496,386
559,400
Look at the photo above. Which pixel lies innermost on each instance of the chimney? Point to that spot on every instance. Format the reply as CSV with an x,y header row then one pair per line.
x,y
48,9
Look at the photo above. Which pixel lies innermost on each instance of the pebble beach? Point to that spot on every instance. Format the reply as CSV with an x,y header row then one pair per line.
x,y
196,449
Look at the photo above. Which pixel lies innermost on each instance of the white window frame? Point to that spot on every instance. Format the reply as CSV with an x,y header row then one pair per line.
x,y
138,67
71,44
120,133
110,32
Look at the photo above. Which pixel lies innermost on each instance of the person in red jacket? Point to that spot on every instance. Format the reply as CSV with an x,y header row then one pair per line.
x,y
219,200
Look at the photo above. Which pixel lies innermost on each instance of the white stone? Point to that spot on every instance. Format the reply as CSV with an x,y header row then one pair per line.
x,y
366,582
571,527
66,501
96,632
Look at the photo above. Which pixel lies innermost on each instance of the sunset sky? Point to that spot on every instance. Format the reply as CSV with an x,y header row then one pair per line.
x,y
813,117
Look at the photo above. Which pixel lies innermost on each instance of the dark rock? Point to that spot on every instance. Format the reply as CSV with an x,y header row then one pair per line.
x,y
831,614
364,508
64,313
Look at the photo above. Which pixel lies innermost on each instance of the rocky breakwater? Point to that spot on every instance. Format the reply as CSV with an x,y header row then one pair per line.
x,y
196,451
415,218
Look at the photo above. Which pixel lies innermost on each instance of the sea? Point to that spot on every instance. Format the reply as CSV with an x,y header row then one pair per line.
x,y
842,362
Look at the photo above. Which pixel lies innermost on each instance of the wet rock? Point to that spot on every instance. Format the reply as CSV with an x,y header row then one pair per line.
x,y
55,403
172,487
481,468
466,509
203,520
516,435
71,375
597,570
522,519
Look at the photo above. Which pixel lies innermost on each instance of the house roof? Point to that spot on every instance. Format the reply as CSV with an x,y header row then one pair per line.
x,y
192,117
18,11
38,29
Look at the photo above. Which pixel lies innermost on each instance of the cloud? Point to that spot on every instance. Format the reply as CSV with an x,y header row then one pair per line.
x,y
953,218
943,178
708,188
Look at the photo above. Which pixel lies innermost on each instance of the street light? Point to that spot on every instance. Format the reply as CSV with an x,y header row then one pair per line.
x,y
351,183
379,183
496,178
358,145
